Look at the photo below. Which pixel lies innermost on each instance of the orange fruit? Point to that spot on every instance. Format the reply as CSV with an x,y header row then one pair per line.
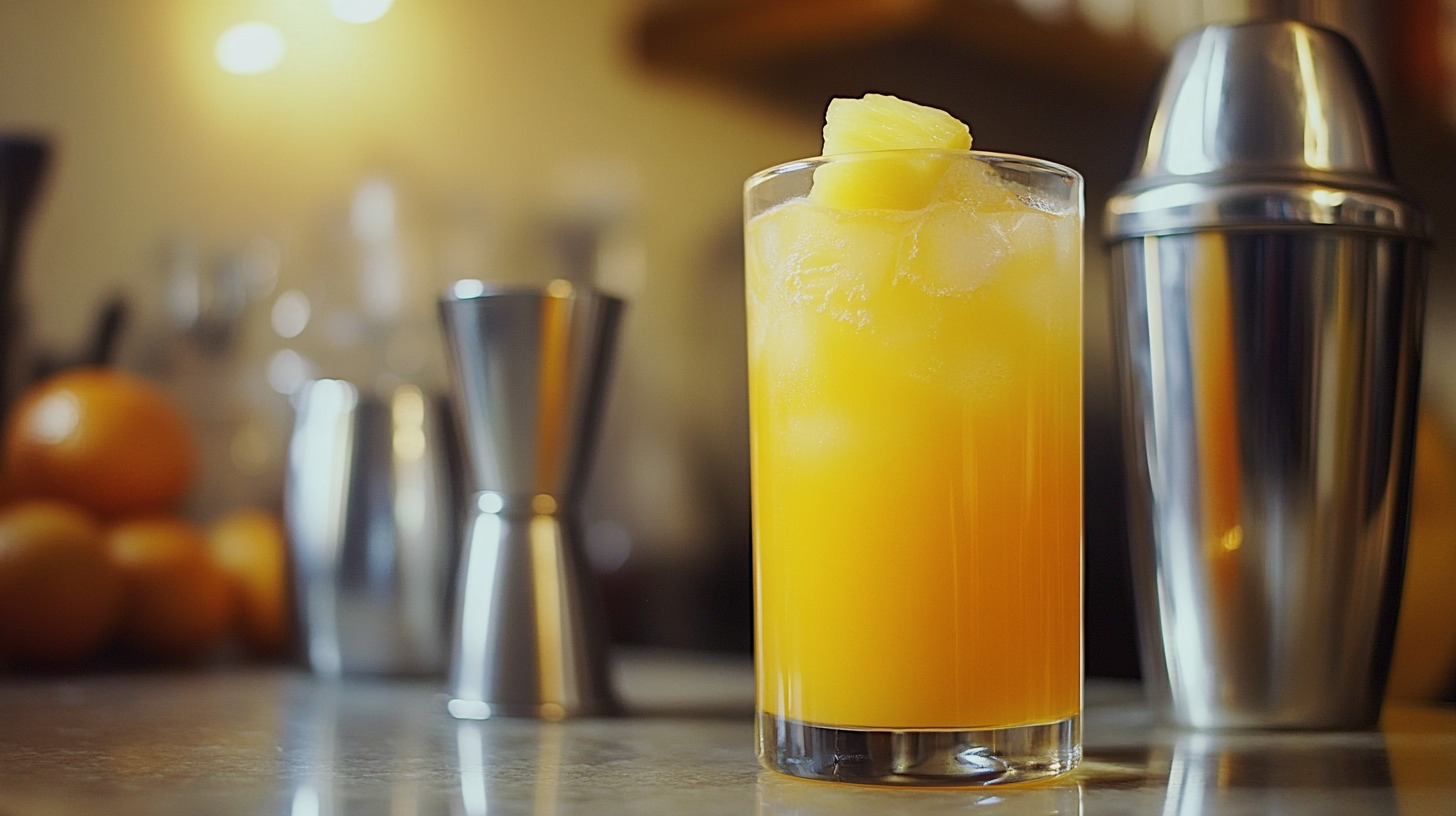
x,y
59,593
105,439
249,545
178,603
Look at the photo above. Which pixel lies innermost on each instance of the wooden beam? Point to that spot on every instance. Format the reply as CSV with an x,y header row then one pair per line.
x,y
748,32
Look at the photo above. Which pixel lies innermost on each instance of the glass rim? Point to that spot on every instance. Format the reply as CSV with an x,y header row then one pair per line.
x,y
985,156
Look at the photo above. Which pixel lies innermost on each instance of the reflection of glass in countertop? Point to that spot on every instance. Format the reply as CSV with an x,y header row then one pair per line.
x,y
783,796
1276,775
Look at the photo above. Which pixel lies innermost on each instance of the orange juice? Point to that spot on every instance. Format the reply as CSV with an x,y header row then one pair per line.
x,y
915,402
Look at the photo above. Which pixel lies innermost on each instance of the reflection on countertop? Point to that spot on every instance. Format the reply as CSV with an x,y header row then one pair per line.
x,y
270,741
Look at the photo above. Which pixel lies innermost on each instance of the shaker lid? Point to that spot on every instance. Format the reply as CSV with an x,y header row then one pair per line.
x,y
1263,124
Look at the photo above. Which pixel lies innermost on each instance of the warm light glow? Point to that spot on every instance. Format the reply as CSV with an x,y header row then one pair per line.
x,y
1045,9
1316,118
1233,539
250,48
409,425
1118,17
359,11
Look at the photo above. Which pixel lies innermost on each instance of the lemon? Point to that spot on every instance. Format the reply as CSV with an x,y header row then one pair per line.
x,y
878,180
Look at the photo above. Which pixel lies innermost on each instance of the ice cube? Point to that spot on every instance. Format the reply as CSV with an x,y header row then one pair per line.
x,y
784,343
1003,186
1039,200
954,249
957,248
977,184
825,260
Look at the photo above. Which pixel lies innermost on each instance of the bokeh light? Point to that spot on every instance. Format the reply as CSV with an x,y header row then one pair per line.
x,y
288,371
359,11
291,312
468,288
250,48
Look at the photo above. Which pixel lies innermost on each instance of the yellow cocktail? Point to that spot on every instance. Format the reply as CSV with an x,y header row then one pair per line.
x,y
915,400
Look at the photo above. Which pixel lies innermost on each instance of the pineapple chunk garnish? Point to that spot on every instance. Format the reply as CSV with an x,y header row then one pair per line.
x,y
880,122
884,123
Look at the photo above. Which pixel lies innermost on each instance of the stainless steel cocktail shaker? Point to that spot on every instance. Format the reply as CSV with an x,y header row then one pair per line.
x,y
1269,291
373,514
530,370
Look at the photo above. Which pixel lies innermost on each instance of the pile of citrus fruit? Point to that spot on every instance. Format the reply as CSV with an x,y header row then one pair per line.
x,y
96,559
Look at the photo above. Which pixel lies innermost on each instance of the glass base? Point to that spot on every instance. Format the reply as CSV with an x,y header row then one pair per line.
x,y
984,756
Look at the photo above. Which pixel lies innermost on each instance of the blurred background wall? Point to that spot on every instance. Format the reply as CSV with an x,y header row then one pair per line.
x,y
266,219
331,197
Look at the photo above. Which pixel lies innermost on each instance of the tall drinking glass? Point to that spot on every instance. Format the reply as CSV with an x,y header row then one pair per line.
x,y
915,384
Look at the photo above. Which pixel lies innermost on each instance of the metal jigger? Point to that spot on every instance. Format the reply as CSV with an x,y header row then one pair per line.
x,y
530,371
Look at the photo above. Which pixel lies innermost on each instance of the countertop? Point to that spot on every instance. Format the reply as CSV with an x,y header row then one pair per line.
x,y
279,741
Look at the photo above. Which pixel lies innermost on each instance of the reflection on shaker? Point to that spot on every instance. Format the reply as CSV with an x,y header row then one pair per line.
x,y
372,514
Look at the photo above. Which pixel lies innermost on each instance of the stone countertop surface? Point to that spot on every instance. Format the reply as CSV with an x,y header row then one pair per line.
x,y
279,741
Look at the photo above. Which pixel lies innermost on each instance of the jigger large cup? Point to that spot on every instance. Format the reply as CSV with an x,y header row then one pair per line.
x,y
530,370
1269,289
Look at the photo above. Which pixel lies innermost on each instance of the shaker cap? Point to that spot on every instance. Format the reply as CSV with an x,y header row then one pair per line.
x,y
1263,124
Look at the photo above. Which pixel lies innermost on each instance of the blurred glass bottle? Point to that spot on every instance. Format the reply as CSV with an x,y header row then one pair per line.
x,y
23,162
